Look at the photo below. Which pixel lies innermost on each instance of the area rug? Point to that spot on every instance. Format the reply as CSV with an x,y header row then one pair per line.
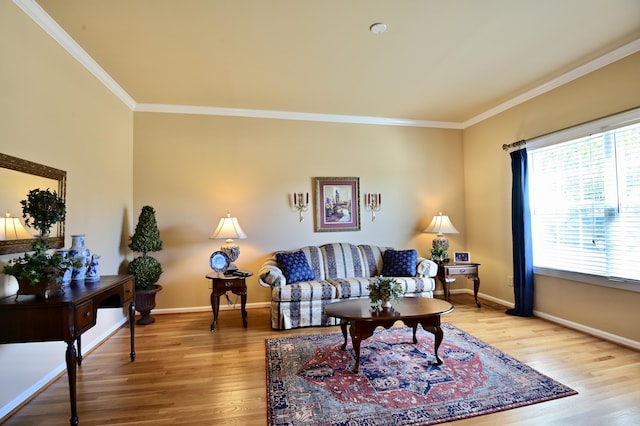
x,y
310,382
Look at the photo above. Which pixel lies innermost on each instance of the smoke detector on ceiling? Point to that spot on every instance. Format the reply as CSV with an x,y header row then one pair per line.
x,y
378,28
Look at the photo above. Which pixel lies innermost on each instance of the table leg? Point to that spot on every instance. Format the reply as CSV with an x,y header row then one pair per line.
x,y
132,314
243,307
361,330
215,306
79,349
437,332
343,327
71,359
476,287
355,342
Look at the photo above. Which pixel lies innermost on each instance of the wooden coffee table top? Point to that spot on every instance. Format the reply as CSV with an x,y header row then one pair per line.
x,y
403,308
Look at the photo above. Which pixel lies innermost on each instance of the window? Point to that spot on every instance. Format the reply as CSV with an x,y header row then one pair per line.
x,y
585,201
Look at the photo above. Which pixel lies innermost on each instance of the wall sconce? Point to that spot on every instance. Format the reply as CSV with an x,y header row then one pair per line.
x,y
372,203
301,203
229,229
12,229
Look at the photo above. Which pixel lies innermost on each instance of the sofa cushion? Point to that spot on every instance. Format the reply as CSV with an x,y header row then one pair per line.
x,y
295,266
372,258
399,263
342,260
307,290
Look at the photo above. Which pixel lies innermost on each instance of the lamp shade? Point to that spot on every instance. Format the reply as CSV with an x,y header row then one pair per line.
x,y
440,224
228,229
12,229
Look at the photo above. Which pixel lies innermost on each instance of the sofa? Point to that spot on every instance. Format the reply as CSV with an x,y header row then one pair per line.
x,y
305,280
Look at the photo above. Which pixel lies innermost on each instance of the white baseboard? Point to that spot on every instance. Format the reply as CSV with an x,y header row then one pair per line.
x,y
566,323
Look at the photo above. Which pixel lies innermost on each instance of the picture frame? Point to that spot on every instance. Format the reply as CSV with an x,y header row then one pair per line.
x,y
337,206
461,257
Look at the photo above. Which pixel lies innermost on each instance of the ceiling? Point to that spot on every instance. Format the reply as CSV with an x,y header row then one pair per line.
x,y
439,61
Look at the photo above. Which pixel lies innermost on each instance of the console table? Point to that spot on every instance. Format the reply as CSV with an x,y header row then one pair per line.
x,y
448,272
65,317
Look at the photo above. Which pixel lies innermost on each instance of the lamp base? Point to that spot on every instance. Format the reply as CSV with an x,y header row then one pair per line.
x,y
233,251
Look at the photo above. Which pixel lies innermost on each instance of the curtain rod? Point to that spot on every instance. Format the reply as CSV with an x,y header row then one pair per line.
x,y
623,118
507,147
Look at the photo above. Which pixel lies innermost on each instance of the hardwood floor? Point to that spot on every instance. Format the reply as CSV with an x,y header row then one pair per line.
x,y
186,375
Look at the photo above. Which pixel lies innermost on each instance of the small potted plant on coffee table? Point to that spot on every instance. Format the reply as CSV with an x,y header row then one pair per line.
x,y
382,290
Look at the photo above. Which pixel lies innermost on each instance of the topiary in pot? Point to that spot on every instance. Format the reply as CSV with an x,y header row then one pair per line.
x,y
146,269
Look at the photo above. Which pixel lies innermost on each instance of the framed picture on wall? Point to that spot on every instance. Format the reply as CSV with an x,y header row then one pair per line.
x,y
337,206
461,257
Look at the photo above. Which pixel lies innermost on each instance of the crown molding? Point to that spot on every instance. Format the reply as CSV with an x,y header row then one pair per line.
x,y
602,61
287,115
40,17
51,27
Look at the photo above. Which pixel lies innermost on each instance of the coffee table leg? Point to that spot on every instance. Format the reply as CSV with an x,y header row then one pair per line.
x,y
343,327
437,332
355,341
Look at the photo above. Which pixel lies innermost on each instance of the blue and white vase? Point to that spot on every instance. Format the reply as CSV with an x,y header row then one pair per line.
x,y
66,278
93,272
80,252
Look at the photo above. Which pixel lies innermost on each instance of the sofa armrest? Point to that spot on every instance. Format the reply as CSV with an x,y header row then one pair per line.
x,y
270,275
426,268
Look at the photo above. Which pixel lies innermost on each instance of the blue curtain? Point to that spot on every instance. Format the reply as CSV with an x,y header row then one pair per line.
x,y
521,230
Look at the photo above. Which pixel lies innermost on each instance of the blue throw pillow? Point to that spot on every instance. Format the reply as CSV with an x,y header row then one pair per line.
x,y
399,263
295,266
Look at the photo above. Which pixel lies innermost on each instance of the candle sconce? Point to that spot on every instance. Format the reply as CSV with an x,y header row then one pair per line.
x,y
373,203
301,203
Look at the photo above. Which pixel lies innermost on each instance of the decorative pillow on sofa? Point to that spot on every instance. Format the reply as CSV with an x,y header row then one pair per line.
x,y
295,266
399,263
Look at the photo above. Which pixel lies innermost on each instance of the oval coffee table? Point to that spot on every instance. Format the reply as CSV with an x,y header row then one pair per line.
x,y
363,320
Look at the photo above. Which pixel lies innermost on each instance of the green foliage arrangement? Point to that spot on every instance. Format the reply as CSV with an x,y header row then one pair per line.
x,y
384,288
39,266
439,254
42,209
145,239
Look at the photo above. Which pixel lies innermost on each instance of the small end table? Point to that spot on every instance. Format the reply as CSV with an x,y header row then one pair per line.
x,y
220,284
448,272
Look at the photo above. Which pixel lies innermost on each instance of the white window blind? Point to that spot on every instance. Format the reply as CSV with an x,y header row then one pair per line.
x,y
585,204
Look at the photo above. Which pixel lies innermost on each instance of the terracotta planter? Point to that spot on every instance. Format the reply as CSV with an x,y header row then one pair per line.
x,y
49,286
145,302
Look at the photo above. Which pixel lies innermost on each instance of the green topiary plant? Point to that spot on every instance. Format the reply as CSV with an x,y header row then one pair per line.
x,y
145,239
42,209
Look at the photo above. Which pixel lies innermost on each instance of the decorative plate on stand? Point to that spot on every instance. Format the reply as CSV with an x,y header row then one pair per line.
x,y
219,261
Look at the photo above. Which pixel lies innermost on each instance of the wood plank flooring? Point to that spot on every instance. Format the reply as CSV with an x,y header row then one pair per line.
x,y
186,375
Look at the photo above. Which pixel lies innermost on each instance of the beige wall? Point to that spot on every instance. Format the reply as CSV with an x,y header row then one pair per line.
x,y
53,112
487,168
193,169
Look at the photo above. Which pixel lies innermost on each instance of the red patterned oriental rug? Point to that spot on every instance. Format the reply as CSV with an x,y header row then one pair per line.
x,y
310,382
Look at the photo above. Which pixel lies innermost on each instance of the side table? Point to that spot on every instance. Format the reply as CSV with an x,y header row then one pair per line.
x,y
220,284
448,272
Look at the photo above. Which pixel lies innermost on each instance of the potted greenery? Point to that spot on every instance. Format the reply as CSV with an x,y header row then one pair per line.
x,y
145,268
40,273
382,290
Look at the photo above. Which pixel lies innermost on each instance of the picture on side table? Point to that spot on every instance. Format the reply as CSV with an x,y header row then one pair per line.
x,y
337,204
461,257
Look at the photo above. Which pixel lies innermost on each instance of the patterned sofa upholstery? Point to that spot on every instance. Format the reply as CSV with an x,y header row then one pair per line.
x,y
332,272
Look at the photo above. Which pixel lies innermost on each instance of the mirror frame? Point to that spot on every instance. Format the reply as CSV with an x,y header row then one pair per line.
x,y
31,168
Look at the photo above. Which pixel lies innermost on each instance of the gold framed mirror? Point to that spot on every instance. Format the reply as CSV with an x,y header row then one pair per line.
x,y
17,177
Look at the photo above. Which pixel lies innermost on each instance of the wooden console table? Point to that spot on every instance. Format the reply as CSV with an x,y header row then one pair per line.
x,y
448,272
65,317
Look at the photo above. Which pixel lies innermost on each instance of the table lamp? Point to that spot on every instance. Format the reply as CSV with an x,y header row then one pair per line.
x,y
12,229
440,225
229,229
